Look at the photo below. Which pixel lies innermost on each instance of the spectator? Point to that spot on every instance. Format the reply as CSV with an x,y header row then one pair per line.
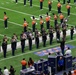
x,y
12,71
64,73
60,64
68,52
24,63
1,72
6,71
69,73
30,62
49,54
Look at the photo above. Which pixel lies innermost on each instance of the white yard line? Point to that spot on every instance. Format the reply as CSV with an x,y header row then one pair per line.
x,y
15,11
33,51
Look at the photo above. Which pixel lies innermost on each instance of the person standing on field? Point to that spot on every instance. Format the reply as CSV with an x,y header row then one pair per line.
x,y
59,7
25,24
49,4
68,9
33,24
5,20
41,4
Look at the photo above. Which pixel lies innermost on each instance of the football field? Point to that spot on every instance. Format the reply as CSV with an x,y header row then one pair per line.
x,y
16,13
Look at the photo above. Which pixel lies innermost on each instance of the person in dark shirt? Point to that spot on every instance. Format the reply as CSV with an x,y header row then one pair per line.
x,y
37,38
12,71
4,47
23,38
30,38
69,73
30,62
64,73
62,45
16,38
58,35
44,38
13,45
64,32
60,64
72,32
51,35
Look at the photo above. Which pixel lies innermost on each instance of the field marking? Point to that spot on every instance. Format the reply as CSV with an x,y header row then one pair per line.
x,y
34,51
47,8
15,11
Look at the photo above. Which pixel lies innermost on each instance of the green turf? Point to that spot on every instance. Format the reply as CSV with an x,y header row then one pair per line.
x,y
16,13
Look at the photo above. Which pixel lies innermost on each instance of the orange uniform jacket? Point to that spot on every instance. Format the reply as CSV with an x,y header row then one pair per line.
x,y
61,16
33,22
25,24
5,17
68,6
23,62
47,18
41,0
49,2
58,5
